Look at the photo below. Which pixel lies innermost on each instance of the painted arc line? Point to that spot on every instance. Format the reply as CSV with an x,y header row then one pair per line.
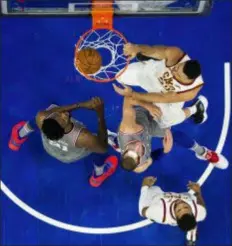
x,y
137,225
226,122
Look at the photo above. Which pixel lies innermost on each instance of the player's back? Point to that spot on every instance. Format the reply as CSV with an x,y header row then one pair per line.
x,y
143,119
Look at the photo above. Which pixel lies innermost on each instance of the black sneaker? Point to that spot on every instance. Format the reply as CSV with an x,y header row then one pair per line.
x,y
201,115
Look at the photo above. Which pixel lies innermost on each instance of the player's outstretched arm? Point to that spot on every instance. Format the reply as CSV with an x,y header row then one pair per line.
x,y
167,141
170,53
170,97
99,143
68,108
197,189
91,142
90,104
128,122
153,109
144,197
41,115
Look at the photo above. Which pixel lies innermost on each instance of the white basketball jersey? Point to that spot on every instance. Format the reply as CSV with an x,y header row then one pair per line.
x,y
155,76
161,79
162,207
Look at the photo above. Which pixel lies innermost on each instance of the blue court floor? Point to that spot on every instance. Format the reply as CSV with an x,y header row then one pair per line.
x,y
37,69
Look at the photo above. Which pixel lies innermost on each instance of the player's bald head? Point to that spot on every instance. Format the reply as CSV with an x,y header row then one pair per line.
x,y
128,163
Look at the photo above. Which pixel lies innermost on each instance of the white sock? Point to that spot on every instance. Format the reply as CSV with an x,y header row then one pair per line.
x,y
25,130
192,110
198,149
99,170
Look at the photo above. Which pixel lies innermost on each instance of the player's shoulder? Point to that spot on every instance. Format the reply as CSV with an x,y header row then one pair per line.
x,y
125,129
170,50
157,212
201,213
185,57
175,55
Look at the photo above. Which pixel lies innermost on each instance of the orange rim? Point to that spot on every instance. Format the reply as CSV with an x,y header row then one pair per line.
x,y
102,18
95,79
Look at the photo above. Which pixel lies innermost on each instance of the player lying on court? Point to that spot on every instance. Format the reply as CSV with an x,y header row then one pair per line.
x,y
170,77
68,140
136,131
169,208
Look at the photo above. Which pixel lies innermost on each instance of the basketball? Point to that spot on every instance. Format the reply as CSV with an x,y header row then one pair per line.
x,y
88,61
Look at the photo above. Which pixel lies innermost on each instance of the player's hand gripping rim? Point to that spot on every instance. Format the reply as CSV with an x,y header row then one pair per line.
x,y
130,50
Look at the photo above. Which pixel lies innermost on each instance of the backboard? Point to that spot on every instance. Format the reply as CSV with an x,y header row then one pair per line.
x,y
80,7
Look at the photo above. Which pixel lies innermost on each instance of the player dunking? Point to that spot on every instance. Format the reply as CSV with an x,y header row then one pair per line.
x,y
170,77
67,139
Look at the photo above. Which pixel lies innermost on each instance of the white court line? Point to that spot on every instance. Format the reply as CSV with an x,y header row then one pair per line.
x,y
225,126
143,223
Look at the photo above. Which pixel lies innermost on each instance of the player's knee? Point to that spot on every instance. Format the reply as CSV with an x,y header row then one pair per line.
x,y
176,118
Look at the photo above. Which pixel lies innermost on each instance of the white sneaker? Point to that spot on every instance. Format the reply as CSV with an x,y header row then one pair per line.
x,y
214,158
112,140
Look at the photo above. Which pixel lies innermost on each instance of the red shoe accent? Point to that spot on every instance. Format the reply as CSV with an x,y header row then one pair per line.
x,y
97,181
212,156
15,141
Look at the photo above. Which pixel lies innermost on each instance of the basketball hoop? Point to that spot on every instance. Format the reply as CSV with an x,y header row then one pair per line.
x,y
104,36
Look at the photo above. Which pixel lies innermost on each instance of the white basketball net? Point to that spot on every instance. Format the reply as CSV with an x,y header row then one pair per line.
x,y
113,42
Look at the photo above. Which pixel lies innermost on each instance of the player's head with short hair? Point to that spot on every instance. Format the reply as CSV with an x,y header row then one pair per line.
x,y
192,69
187,222
184,216
52,129
131,156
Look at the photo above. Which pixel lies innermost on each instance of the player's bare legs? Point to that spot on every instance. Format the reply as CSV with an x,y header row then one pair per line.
x,y
58,129
183,140
201,152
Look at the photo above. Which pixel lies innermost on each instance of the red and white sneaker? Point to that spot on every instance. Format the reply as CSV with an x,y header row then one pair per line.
x,y
216,159
15,140
112,141
111,164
